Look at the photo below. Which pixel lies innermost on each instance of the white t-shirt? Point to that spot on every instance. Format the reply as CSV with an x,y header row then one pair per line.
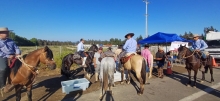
x,y
97,56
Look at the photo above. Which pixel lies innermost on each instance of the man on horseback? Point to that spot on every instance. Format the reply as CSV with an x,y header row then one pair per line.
x,y
130,45
80,50
8,51
199,46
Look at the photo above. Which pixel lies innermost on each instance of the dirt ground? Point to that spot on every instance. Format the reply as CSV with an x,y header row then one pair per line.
x,y
48,86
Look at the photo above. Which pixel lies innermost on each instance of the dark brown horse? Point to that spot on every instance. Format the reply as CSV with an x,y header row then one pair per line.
x,y
193,62
67,61
24,72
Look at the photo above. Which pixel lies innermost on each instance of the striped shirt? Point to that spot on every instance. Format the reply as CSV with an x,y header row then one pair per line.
x,y
8,47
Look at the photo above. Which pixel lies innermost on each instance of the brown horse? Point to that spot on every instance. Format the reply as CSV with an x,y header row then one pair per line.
x,y
136,63
193,62
24,71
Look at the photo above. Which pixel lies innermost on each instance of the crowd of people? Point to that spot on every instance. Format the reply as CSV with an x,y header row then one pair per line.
x,y
9,50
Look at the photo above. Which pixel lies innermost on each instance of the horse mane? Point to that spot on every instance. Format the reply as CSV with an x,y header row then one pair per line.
x,y
92,47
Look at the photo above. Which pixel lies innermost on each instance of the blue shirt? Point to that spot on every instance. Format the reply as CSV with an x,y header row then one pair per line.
x,y
80,47
199,44
130,45
8,47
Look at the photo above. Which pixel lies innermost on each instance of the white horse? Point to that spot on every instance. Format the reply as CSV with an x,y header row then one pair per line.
x,y
107,70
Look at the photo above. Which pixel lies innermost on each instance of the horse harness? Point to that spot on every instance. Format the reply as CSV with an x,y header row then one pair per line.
x,y
184,55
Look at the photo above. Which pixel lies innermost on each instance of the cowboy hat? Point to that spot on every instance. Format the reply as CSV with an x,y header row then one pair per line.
x,y
196,35
4,29
129,34
160,48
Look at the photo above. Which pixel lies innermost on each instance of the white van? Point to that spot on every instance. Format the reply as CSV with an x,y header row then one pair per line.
x,y
213,42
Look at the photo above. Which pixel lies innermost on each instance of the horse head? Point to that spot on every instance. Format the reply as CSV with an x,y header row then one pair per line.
x,y
93,48
182,51
46,57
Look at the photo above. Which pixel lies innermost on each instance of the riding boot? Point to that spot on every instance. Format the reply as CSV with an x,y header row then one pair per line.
x,y
8,88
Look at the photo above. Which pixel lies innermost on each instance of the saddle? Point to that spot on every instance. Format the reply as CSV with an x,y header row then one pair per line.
x,y
125,59
11,62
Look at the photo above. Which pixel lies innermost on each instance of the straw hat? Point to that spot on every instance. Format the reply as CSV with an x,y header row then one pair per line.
x,y
4,29
160,48
196,35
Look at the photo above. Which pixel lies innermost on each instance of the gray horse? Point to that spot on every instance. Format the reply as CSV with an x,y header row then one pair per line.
x,y
107,75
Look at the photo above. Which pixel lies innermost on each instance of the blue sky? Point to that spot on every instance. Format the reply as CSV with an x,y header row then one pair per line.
x,y
70,20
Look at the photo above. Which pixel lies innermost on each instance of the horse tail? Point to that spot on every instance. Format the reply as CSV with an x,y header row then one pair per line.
x,y
143,70
105,73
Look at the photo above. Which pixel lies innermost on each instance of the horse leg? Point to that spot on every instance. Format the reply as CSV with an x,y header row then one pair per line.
x,y
195,77
129,77
189,75
29,93
141,83
211,72
203,77
101,90
122,75
18,92
150,73
111,83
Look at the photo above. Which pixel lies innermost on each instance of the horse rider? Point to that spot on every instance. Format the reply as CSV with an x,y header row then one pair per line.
x,y
130,45
8,50
80,50
97,62
199,46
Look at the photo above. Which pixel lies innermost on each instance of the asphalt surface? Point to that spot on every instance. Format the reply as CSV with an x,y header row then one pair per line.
x,y
170,88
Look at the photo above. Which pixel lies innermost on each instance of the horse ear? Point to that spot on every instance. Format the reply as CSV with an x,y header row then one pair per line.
x,y
46,48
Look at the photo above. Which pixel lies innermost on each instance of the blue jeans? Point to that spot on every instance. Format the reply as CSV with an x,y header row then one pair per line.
x,y
117,65
3,71
203,54
147,69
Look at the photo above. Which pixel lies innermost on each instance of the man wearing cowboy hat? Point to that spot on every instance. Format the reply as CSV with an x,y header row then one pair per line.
x,y
8,50
199,45
130,45
160,60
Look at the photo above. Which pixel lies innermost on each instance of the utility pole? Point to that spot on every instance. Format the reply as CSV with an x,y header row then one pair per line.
x,y
146,15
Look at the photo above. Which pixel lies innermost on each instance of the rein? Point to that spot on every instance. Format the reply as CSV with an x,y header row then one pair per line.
x,y
184,56
32,68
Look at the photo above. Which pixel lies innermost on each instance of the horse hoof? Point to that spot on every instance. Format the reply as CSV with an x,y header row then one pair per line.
x,y
201,81
194,86
139,93
128,83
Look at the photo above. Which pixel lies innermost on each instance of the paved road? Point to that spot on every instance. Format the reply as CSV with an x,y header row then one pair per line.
x,y
170,88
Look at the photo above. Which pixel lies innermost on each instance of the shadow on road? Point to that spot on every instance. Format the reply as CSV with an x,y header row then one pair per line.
x,y
183,78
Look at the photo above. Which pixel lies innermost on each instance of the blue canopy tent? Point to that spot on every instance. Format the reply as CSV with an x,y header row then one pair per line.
x,y
161,37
